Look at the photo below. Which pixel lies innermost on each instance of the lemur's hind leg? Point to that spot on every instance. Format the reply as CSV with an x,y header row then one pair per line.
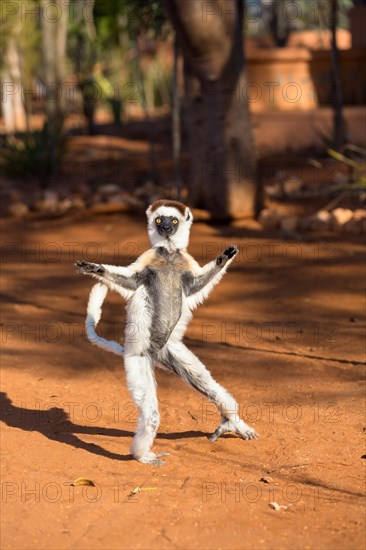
x,y
142,386
178,358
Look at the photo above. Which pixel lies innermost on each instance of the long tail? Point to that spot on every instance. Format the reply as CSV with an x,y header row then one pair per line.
x,y
94,311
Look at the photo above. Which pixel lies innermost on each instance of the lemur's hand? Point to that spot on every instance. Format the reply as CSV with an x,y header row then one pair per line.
x,y
228,253
82,266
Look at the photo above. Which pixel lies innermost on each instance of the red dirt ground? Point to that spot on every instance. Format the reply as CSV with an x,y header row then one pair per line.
x,y
283,332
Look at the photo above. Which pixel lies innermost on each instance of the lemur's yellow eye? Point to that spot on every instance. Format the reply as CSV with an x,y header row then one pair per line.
x,y
158,220
175,221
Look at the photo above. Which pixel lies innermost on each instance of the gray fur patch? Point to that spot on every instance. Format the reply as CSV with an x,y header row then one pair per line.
x,y
175,364
164,286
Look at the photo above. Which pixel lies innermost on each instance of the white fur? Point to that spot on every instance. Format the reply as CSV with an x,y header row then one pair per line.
x,y
197,298
178,241
94,311
138,364
142,386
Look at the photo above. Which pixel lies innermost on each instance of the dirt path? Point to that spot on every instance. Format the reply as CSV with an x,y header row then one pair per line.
x,y
283,332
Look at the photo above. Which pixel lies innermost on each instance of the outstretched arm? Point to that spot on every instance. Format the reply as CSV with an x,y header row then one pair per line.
x,y
104,275
122,279
198,286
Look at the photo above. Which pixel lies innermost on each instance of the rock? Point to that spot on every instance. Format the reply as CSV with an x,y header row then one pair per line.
x,y
321,221
131,200
18,209
273,191
78,203
357,224
109,189
73,203
116,198
49,203
128,200
340,216
65,205
109,208
289,223
270,219
292,185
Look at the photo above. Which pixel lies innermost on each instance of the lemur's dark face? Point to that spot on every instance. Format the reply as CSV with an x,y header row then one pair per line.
x,y
166,225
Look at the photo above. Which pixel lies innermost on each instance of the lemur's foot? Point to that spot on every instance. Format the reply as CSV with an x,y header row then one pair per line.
x,y
240,428
88,267
153,458
228,253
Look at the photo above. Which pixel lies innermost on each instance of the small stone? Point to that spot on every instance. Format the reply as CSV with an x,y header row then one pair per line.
x,y
109,189
321,221
273,190
340,216
278,507
78,203
65,205
18,209
116,198
74,203
292,185
49,203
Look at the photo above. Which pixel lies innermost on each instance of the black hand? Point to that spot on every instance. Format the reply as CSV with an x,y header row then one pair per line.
x,y
230,251
87,267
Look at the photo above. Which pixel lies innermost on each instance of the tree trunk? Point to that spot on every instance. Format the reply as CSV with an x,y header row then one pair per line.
x,y
223,160
339,131
154,172
54,28
176,124
12,105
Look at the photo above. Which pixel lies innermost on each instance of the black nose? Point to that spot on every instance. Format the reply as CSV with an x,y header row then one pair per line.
x,y
166,228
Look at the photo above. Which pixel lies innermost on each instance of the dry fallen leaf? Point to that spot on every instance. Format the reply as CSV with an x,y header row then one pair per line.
x,y
83,481
134,491
139,489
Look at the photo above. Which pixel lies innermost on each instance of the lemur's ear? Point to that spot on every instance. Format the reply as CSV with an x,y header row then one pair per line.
x,y
148,211
189,215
